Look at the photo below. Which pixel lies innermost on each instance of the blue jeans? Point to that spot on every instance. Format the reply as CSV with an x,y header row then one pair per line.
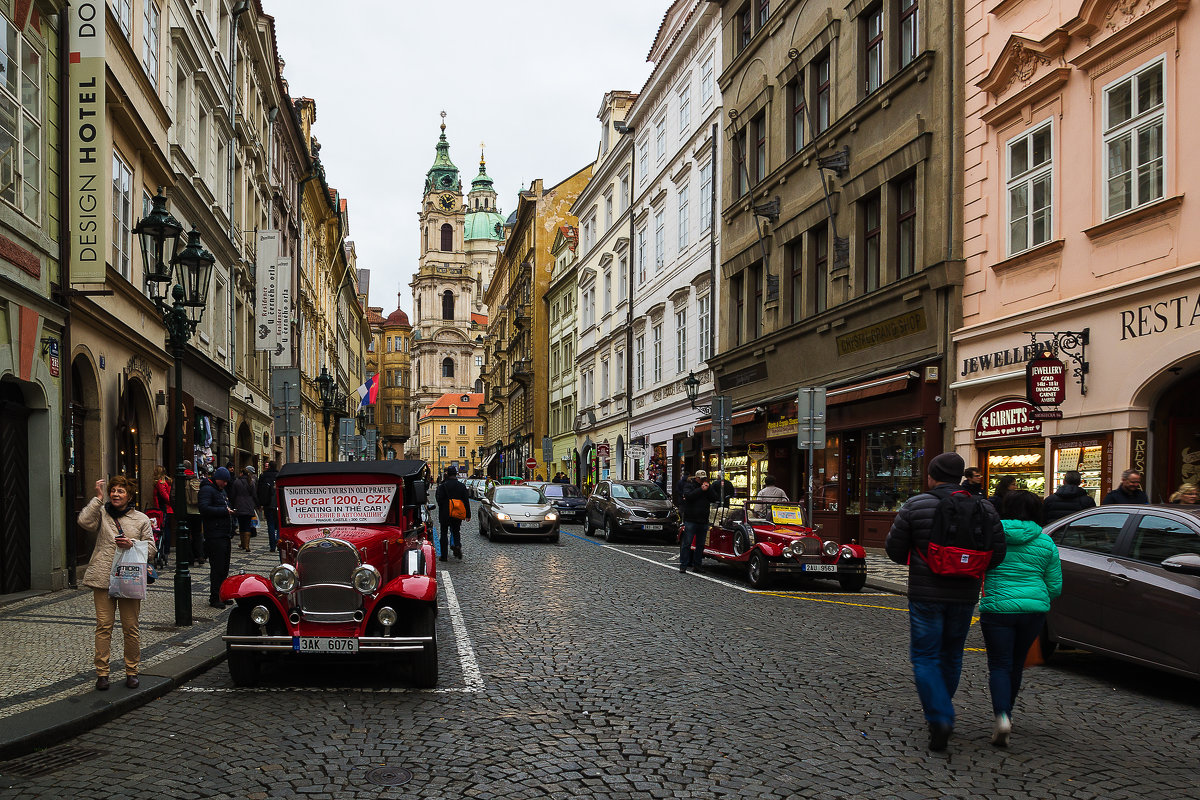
x,y
1008,637
938,632
272,515
693,532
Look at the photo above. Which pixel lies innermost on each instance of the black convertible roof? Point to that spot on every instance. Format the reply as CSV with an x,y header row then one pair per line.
x,y
397,469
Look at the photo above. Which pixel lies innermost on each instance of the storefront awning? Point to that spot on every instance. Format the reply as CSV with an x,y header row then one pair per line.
x,y
739,418
873,388
483,465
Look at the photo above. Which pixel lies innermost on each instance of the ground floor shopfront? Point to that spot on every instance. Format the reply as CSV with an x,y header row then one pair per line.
x,y
602,452
1134,407
657,451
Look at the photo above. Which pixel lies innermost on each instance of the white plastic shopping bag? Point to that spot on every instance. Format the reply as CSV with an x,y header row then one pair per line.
x,y
128,576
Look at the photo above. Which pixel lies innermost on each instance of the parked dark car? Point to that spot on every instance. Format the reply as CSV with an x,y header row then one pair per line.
x,y
1131,585
565,497
631,508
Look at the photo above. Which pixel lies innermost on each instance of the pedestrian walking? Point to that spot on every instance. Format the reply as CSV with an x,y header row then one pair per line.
x,y
1005,485
973,481
1129,491
243,498
162,501
1067,499
698,497
1016,596
195,521
270,504
940,605
1187,494
449,490
217,515
117,525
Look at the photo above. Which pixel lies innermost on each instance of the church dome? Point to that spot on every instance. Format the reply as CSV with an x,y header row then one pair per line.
x,y
443,175
397,317
484,225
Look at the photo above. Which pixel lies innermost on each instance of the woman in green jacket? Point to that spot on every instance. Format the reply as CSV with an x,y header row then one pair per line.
x,y
1016,597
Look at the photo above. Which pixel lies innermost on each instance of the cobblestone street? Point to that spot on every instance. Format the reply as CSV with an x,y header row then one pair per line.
x,y
590,670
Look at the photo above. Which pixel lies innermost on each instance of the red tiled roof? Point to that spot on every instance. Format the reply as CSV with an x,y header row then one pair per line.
x,y
468,408
479,319
374,316
397,317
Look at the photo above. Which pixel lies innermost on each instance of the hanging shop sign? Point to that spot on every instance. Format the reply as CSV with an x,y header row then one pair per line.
x,y
1006,419
782,421
1046,381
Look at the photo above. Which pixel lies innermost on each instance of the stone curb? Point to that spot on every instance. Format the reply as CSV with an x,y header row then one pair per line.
x,y
885,585
54,722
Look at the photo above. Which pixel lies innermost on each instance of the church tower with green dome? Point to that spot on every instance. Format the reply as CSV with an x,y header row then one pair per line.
x,y
485,230
446,290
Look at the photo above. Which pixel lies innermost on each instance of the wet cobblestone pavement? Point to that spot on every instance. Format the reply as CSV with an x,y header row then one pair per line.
x,y
581,670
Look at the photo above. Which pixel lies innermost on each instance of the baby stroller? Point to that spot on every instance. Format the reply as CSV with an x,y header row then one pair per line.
x,y
158,525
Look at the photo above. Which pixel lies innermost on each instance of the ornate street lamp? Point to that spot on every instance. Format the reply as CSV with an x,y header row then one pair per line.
x,y
158,233
691,385
328,391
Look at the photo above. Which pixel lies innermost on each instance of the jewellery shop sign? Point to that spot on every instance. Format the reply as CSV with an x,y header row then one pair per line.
x,y
1045,386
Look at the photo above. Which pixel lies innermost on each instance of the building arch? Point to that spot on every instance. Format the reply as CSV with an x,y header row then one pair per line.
x,y
448,305
134,436
245,445
85,438
447,367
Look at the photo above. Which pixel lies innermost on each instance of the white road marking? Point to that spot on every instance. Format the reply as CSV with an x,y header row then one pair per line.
x,y
466,653
674,568
354,689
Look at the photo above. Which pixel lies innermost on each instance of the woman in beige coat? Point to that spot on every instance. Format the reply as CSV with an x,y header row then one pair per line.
x,y
116,524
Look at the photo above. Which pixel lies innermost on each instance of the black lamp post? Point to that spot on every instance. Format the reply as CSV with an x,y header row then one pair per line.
x,y
469,468
328,391
158,233
691,385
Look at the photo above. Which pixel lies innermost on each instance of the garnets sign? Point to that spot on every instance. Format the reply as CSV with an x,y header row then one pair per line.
x,y
1046,381
1005,419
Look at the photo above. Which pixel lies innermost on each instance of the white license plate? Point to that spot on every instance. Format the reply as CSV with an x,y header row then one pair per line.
x,y
324,644
529,524
652,527
819,567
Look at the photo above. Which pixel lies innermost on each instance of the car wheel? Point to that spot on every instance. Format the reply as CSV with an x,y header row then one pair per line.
x,y
553,539
853,583
243,664
425,663
758,572
742,542
610,530
588,530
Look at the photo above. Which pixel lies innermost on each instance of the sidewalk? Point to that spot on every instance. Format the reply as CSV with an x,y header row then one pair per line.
x,y
885,574
47,641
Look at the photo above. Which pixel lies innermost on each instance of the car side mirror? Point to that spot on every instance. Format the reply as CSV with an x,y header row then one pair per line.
x,y
1184,563
420,493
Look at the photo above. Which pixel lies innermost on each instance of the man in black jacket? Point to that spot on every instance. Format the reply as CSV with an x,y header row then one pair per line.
x,y
1067,499
698,496
1130,490
939,606
270,503
217,518
451,489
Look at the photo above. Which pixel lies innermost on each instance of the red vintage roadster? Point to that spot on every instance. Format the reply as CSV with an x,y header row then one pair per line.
x,y
775,539
357,573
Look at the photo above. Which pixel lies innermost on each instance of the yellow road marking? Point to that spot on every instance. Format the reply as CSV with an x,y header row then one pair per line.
x,y
822,600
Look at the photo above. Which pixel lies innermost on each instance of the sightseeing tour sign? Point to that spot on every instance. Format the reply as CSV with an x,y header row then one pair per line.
x,y
363,504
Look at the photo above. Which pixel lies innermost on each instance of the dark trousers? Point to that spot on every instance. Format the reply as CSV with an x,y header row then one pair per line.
x,y
218,565
452,527
937,634
694,533
1008,638
196,532
164,540
272,515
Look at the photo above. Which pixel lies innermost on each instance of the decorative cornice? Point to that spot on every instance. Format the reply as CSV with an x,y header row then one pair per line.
x,y
1021,59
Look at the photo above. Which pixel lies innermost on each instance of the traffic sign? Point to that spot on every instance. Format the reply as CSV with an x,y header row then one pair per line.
x,y
722,420
531,462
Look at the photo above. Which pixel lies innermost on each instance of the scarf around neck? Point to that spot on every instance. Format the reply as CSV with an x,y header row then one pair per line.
x,y
115,512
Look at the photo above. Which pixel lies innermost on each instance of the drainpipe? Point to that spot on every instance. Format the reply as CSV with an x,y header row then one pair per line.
x,y
239,8
625,129
712,253
63,297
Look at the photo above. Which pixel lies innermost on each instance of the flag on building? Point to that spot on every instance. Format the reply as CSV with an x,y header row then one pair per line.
x,y
369,391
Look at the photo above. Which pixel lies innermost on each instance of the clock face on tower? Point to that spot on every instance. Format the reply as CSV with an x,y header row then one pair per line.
x,y
446,201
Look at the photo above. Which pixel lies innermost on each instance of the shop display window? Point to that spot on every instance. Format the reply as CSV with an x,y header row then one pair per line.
x,y
742,470
1027,464
893,470
825,475
1087,457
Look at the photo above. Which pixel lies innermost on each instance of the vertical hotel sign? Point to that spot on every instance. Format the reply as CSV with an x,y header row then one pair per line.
x,y
281,356
266,261
88,143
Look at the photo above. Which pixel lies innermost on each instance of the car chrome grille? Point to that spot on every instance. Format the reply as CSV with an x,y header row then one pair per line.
x,y
324,567
812,547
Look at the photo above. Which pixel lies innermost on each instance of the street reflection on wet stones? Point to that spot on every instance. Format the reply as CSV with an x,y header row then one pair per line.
x,y
603,672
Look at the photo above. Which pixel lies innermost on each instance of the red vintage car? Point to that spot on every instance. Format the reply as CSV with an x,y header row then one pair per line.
x,y
775,539
357,574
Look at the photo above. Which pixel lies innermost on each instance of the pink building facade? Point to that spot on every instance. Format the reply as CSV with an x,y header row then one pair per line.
x,y
1082,222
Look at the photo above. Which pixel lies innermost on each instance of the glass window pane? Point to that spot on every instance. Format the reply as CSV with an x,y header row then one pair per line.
x,y
1097,533
1120,107
893,471
30,80
1120,187
1150,165
1150,88
1041,210
8,59
1041,146
1159,538
1018,157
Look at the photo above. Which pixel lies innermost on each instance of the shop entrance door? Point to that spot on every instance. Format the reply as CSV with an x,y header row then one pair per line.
x,y
15,569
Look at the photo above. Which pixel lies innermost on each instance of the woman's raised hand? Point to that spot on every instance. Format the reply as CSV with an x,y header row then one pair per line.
x,y
100,489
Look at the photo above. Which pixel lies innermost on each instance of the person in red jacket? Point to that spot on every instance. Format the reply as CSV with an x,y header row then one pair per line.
x,y
162,501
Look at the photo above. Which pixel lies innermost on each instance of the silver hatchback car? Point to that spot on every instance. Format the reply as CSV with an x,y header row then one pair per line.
x,y
517,511
1131,585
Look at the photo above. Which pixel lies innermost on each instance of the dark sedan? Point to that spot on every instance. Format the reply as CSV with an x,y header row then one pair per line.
x,y
631,508
565,497
1131,585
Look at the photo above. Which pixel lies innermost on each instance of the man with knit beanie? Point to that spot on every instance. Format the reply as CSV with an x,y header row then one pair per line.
x,y
939,606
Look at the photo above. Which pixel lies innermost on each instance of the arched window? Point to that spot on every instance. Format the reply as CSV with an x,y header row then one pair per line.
x,y
447,304
478,386
447,237
448,368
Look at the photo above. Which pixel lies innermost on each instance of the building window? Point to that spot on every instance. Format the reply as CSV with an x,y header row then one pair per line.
x,y
706,80
685,110
1030,180
641,258
743,28
1134,114
478,361
764,12
796,122
462,430
639,361
480,432
643,160
604,393
124,9
822,92
871,223
447,304
656,343
448,368
624,193
819,241
443,430
758,128
623,280
909,30
681,341
704,317
660,240
462,451
756,307
683,218
906,227
795,261
122,210
608,211
706,196
619,375
737,288
740,168
442,450
873,32
150,41
447,237
588,225
20,123
607,291
660,138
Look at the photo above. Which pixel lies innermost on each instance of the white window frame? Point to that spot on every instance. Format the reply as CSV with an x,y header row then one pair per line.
x,y
442,430
640,275
706,176
643,160
704,320
150,40
1137,122
1026,181
622,283
684,227
122,201
681,341
462,430
656,352
21,170
660,138
660,239
604,379
685,109
607,291
124,13
619,374
706,80
639,361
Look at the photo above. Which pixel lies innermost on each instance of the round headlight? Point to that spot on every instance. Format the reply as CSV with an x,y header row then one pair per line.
x,y
502,516
831,548
551,516
387,616
259,615
283,578
794,550
365,579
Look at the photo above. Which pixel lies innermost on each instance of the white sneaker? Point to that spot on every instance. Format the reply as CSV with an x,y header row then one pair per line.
x,y
1001,730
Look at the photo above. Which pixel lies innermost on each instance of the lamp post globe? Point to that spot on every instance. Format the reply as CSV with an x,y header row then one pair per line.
x,y
691,385
327,391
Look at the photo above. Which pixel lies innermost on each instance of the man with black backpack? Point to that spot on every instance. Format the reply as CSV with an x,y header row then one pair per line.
x,y
947,537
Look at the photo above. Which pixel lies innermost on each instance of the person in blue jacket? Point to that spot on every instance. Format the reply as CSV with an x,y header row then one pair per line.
x,y
1016,596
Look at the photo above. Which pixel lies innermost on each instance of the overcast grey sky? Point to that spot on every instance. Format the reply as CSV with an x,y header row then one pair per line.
x,y
525,77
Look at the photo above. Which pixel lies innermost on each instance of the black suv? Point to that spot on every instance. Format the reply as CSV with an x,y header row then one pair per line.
x,y
565,497
632,508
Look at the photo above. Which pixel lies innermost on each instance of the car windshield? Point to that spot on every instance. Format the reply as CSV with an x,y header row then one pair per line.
x,y
638,491
525,495
561,490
